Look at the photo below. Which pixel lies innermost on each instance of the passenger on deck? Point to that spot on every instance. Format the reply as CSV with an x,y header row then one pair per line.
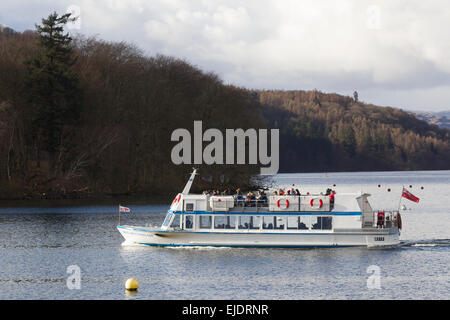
x,y
281,192
332,199
261,197
297,192
289,192
238,197
275,193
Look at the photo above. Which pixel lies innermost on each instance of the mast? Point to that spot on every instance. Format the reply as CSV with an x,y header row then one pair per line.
x,y
188,185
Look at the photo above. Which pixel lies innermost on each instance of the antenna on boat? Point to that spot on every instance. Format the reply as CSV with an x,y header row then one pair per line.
x,y
188,185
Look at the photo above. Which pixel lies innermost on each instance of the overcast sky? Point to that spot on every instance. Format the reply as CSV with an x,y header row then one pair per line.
x,y
394,53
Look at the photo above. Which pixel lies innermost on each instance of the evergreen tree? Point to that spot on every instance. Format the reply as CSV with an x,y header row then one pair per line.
x,y
53,90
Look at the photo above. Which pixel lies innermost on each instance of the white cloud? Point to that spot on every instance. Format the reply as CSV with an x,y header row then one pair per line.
x,y
377,47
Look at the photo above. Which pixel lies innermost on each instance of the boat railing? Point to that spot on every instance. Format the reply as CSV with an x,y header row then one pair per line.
x,y
240,201
314,202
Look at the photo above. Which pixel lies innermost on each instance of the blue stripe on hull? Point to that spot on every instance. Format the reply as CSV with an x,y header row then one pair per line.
x,y
248,246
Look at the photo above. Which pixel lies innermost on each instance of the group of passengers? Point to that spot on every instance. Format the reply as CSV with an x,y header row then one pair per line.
x,y
260,197
217,192
251,197
289,192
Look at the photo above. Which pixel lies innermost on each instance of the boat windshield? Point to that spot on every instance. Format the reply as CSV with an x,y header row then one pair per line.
x,y
167,219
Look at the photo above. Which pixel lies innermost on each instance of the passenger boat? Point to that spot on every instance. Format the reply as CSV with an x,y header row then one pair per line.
x,y
279,221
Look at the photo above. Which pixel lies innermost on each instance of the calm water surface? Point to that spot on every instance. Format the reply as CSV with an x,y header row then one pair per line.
x,y
38,243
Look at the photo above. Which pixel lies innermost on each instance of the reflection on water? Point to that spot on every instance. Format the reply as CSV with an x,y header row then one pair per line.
x,y
38,243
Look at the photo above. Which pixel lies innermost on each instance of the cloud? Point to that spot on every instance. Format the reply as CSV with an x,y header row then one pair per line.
x,y
374,46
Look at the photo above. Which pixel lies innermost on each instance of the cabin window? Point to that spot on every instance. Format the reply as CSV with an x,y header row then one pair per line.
x,y
189,207
274,222
249,222
280,222
293,222
316,223
167,219
220,222
189,224
304,223
224,222
268,222
205,222
231,222
244,222
321,223
326,223
175,221
255,222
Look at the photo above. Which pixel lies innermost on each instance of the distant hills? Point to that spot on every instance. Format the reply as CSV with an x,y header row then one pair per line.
x,y
5,31
330,132
441,119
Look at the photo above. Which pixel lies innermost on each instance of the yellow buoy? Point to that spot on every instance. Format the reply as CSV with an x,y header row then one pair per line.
x,y
132,284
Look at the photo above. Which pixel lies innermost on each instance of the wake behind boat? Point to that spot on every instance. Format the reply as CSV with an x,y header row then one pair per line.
x,y
279,220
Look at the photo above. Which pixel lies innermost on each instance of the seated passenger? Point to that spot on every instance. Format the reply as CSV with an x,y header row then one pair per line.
x,y
250,196
261,196
238,196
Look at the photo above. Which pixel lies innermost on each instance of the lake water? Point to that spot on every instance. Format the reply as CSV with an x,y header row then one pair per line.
x,y
39,243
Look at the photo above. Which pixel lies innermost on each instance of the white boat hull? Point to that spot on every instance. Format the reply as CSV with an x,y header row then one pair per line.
x,y
337,238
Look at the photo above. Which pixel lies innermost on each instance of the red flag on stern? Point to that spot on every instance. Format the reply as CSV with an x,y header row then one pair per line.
x,y
408,195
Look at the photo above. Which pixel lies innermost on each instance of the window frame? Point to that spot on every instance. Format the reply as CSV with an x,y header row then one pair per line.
x,y
185,220
187,204
200,221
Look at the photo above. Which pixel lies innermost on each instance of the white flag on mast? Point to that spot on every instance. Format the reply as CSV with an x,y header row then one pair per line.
x,y
124,209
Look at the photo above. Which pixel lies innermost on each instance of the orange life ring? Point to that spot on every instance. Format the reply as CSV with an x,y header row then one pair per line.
x,y
286,201
311,203
399,221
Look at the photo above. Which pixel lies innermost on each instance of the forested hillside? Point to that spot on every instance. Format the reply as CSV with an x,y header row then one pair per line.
x,y
330,132
96,117
85,117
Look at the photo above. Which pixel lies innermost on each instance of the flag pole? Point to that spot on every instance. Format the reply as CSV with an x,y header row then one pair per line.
x,y
401,196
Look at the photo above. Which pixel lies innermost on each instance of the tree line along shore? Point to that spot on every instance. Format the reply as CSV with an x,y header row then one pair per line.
x,y
83,117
